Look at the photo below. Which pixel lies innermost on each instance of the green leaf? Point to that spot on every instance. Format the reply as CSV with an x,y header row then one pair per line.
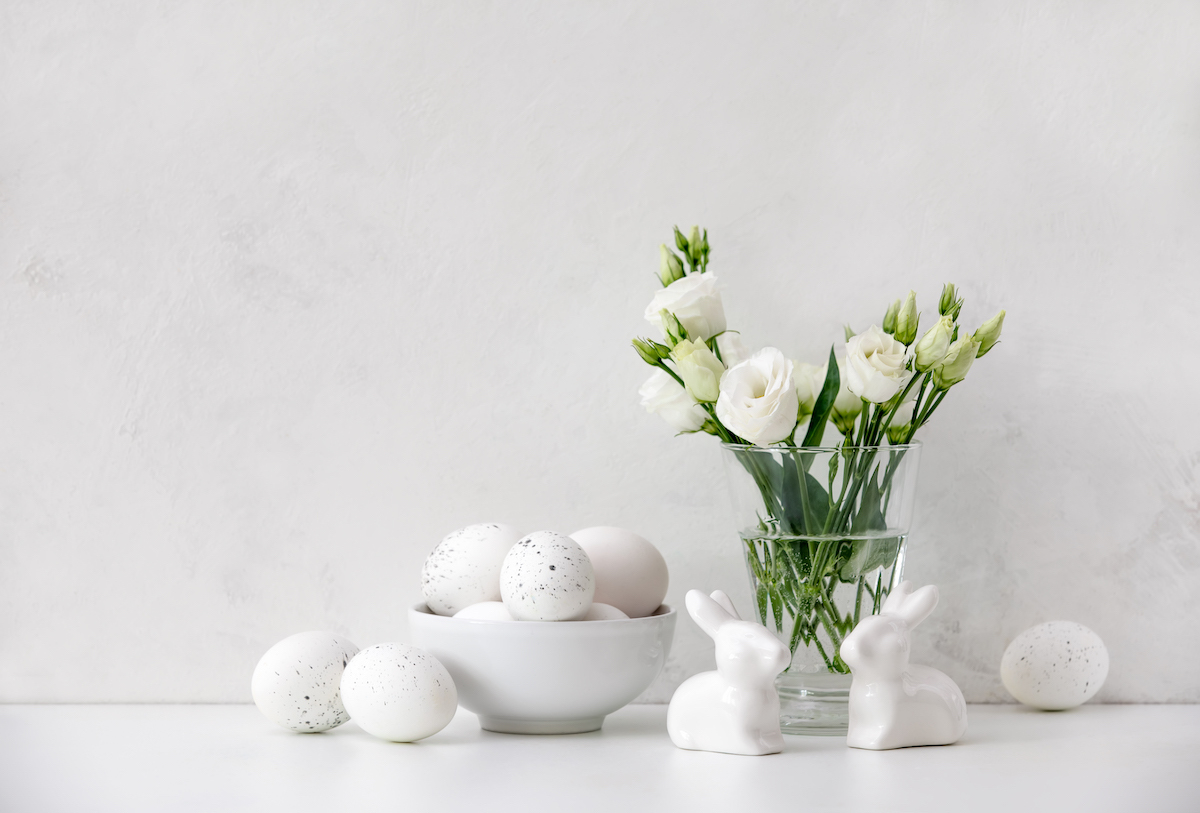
x,y
870,515
791,499
824,403
870,555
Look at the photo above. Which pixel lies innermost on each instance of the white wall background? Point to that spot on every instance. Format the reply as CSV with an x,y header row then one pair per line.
x,y
292,289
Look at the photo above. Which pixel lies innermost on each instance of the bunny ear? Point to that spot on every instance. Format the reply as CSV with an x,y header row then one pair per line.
x,y
917,606
895,601
721,598
707,613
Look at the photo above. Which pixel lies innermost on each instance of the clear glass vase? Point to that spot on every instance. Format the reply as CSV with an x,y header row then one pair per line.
x,y
823,531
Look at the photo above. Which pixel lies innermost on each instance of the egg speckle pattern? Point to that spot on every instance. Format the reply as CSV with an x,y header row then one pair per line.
x,y
295,684
547,577
464,568
398,692
1054,666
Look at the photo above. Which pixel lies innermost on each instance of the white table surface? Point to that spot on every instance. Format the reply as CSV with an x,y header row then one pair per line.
x,y
229,758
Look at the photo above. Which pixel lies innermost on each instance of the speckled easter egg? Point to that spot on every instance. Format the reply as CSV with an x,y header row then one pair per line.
x,y
464,568
631,574
547,577
296,683
1054,666
398,692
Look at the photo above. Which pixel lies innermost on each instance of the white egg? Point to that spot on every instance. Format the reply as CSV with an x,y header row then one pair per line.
x,y
398,692
486,611
296,683
631,574
464,568
603,612
1054,666
547,577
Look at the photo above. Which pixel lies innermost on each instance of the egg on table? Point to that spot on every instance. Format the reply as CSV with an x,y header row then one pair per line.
x,y
1054,666
547,577
464,568
296,683
631,574
398,692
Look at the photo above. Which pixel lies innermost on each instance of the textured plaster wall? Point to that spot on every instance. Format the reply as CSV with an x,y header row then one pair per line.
x,y
289,290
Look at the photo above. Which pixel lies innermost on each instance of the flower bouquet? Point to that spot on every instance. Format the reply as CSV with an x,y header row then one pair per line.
x,y
822,461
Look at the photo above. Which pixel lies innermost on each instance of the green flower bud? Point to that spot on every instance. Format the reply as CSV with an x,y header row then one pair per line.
x,y
958,361
674,329
700,370
646,351
934,345
681,242
989,333
907,320
696,245
889,318
946,303
670,268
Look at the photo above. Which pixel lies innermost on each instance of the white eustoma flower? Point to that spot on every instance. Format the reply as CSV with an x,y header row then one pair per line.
x,y
809,380
875,365
696,303
733,350
904,413
846,403
758,398
662,395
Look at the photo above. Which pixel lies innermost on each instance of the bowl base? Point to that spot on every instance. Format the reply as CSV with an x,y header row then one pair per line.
x,y
503,726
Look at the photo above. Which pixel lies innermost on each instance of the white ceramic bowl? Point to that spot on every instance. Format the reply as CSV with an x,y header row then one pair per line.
x,y
546,677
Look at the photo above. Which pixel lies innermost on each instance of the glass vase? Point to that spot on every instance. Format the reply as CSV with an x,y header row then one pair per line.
x,y
823,531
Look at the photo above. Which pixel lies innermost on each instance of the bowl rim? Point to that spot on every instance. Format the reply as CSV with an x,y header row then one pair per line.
x,y
421,608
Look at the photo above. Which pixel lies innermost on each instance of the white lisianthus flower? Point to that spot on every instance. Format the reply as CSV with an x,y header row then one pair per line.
x,y
846,403
663,396
809,380
696,303
875,365
758,398
733,350
904,413
700,370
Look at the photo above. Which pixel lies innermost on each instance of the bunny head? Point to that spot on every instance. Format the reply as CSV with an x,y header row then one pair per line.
x,y
879,645
747,653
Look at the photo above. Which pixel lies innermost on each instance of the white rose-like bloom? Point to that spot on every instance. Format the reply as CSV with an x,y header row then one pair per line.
x,y
875,365
733,350
904,413
758,398
663,396
696,303
809,380
846,402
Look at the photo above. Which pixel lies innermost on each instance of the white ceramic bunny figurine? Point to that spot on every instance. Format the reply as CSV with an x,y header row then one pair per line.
x,y
895,704
734,710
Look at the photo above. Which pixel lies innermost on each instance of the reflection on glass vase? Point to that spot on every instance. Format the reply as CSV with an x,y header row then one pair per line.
x,y
823,531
